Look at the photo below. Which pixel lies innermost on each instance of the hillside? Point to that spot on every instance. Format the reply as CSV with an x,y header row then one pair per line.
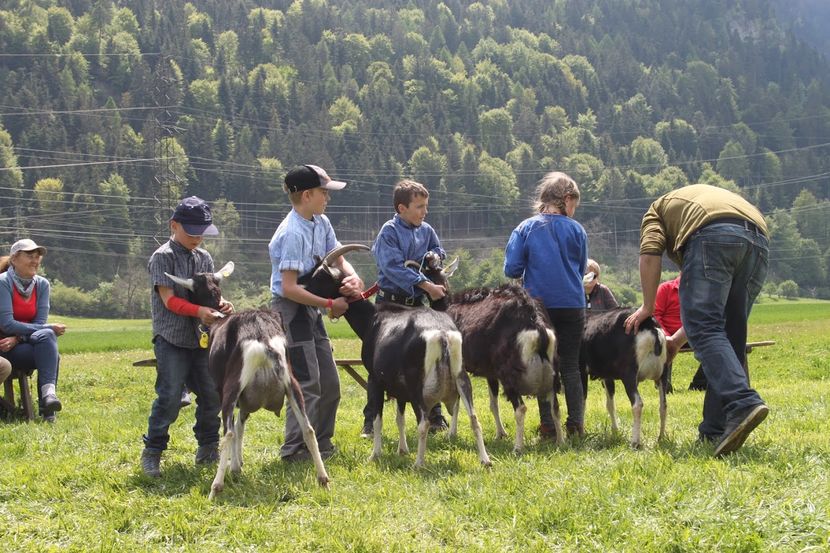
x,y
113,110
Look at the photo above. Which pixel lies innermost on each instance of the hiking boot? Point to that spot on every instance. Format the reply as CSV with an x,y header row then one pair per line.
x,y
150,461
185,401
574,430
207,454
51,404
438,424
739,427
368,430
299,455
547,431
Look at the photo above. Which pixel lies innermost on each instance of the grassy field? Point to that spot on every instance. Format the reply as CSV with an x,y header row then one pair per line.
x,y
76,485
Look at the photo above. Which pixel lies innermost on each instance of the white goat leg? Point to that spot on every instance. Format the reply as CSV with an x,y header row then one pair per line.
x,y
637,412
494,408
454,419
236,450
377,431
423,431
403,448
557,423
309,437
520,413
225,448
465,390
612,411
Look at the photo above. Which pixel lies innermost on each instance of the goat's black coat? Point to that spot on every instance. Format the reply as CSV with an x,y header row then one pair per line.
x,y
490,320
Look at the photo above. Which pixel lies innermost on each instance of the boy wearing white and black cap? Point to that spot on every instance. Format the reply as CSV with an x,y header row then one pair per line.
x,y
303,234
180,358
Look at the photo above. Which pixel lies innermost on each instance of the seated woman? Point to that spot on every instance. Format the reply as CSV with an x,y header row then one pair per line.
x,y
28,342
598,297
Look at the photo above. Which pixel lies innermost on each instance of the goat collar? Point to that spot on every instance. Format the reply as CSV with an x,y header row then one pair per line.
x,y
365,295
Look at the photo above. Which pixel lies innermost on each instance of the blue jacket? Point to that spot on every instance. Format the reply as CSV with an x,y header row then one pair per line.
x,y
397,242
8,325
550,252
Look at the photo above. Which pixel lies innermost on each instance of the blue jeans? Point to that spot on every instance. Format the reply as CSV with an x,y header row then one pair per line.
x,y
40,352
724,267
176,367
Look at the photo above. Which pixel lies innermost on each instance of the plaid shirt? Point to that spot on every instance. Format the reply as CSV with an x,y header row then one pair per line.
x,y
173,258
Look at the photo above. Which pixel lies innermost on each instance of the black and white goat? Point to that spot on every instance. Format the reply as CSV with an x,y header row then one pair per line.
x,y
413,354
609,354
249,365
507,339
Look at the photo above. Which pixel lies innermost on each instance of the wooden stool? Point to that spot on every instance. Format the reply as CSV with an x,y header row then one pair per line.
x,y
26,404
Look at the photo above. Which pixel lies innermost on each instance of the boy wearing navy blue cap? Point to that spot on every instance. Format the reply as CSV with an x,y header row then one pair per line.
x,y
180,358
304,234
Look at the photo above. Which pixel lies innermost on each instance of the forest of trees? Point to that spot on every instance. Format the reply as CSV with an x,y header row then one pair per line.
x,y
112,110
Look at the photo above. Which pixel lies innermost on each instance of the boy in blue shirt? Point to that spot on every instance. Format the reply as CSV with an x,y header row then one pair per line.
x,y
303,234
404,237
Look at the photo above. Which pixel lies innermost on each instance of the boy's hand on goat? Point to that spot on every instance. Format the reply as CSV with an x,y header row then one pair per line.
x,y
208,315
338,307
352,286
435,291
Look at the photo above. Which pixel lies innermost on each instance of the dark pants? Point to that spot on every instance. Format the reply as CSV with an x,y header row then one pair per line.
x,y
39,352
176,367
569,325
724,267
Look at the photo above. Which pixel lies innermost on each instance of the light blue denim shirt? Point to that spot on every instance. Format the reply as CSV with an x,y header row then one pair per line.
x,y
398,242
550,252
295,243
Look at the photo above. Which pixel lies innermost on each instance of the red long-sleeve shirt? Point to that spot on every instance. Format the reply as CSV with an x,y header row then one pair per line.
x,y
667,306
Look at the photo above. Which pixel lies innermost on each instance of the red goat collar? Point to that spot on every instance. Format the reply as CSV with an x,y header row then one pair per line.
x,y
365,295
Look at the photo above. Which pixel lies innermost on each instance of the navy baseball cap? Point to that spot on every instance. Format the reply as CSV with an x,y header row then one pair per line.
x,y
194,215
307,177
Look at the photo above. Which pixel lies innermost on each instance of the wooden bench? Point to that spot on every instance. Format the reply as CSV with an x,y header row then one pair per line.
x,y
26,404
348,365
749,346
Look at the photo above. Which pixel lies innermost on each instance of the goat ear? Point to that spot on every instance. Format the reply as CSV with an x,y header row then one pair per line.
x,y
225,271
451,268
187,283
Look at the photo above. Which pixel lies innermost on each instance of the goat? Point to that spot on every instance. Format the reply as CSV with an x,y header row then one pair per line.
x,y
413,354
250,368
609,354
507,339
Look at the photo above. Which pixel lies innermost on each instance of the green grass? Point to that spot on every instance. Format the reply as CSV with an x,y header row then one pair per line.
x,y
76,486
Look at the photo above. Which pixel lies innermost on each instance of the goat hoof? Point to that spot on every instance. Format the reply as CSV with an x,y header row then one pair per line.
x,y
403,452
518,450
215,489
636,445
501,435
486,463
323,481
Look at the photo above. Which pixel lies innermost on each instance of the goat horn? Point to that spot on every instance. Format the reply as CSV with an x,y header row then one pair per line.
x,y
412,265
343,250
587,279
225,271
187,283
450,269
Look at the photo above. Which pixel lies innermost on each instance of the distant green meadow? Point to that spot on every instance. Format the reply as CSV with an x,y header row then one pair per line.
x,y
76,485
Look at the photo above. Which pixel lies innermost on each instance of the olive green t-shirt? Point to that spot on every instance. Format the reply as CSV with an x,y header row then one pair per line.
x,y
675,216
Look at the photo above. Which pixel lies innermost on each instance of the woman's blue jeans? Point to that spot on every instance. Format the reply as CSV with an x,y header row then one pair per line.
x,y
40,352
724,267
